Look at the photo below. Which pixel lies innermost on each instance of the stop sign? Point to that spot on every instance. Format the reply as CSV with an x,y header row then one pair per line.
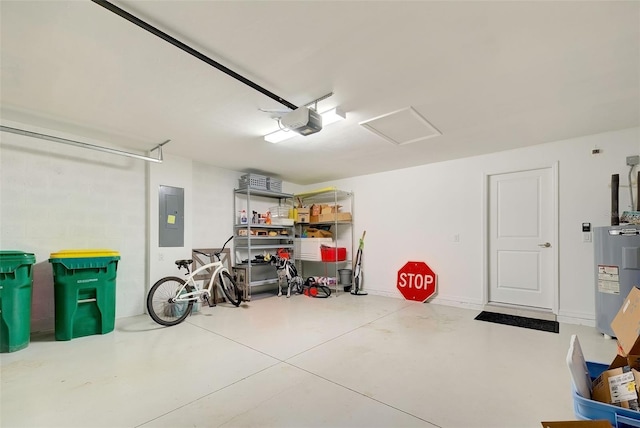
x,y
416,281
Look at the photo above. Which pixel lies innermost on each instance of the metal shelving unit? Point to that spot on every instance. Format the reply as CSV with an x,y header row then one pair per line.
x,y
343,233
250,273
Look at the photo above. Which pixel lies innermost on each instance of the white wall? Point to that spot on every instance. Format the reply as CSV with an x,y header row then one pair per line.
x,y
213,214
175,171
208,200
209,210
414,213
55,197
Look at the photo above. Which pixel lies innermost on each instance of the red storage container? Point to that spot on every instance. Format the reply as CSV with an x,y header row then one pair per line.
x,y
333,254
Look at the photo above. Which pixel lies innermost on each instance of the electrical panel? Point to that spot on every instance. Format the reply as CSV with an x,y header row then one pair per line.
x,y
171,216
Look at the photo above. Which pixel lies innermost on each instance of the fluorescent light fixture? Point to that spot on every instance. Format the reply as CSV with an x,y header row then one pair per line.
x,y
332,116
279,135
328,117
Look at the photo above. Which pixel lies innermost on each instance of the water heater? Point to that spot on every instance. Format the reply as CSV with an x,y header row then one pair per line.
x,y
617,270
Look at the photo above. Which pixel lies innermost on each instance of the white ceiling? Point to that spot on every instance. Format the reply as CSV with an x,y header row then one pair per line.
x,y
490,76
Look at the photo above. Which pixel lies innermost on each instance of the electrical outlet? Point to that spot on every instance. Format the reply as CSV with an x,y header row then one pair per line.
x,y
595,151
633,160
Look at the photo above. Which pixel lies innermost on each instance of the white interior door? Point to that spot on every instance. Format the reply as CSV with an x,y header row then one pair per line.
x,y
522,238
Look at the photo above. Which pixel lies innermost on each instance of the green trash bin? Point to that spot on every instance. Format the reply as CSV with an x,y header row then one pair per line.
x,y
16,284
84,292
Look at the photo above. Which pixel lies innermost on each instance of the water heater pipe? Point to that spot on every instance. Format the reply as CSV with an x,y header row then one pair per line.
x,y
615,185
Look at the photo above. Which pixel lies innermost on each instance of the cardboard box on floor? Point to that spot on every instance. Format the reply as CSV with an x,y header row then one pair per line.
x,y
618,387
619,384
599,423
626,326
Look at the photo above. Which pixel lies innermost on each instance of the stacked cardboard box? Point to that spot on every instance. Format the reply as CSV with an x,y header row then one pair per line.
x,y
328,213
626,326
302,215
619,384
312,232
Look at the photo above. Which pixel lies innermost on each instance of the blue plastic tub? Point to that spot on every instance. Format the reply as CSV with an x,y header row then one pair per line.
x,y
587,409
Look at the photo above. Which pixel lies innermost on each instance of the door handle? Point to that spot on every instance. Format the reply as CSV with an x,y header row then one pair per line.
x,y
545,245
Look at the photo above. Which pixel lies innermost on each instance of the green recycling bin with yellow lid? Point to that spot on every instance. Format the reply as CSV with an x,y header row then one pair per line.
x,y
16,286
84,292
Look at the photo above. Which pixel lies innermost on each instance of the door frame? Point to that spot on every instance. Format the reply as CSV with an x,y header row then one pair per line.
x,y
556,219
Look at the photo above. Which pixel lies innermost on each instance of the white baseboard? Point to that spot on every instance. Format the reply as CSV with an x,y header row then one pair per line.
x,y
565,317
445,301
384,293
457,302
579,318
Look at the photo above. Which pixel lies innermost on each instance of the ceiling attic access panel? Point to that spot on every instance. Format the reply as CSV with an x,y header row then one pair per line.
x,y
401,127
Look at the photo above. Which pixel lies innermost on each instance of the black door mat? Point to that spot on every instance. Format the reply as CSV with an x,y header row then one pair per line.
x,y
517,321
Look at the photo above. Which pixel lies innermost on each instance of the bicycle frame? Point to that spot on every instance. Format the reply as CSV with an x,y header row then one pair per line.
x,y
171,299
182,296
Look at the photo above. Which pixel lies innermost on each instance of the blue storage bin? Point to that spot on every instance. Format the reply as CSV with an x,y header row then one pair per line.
x,y
587,409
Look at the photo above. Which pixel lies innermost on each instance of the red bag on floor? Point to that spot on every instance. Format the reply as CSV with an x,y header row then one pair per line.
x,y
313,289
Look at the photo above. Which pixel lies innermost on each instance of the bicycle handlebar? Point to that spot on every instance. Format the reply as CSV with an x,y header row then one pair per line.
x,y
203,253
225,244
217,255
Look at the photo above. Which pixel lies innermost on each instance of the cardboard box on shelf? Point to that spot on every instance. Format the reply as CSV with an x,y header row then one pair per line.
x,y
303,215
329,213
312,232
324,218
329,209
254,232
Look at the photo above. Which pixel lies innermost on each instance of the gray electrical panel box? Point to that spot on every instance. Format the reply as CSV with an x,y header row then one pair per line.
x,y
171,216
617,270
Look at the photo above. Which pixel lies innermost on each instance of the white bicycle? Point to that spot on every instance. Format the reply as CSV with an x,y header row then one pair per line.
x,y
171,299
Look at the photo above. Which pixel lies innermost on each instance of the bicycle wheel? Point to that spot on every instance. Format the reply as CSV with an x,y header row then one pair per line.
x,y
229,288
161,303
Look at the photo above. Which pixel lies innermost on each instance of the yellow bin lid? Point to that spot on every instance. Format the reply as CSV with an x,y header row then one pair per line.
x,y
84,253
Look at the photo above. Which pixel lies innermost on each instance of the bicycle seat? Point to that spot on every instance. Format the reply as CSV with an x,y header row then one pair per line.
x,y
183,263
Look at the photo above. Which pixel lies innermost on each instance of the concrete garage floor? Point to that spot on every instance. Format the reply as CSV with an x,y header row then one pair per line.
x,y
346,361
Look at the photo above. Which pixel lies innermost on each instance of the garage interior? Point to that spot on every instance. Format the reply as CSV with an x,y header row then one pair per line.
x,y
475,94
